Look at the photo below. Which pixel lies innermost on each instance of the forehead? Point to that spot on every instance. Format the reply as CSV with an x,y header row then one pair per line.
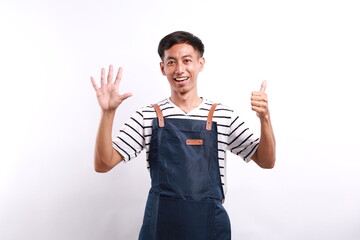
x,y
180,50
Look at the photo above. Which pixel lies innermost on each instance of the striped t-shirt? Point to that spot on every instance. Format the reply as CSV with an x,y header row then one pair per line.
x,y
233,134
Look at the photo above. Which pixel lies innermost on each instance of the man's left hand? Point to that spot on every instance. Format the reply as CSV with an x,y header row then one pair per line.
x,y
259,101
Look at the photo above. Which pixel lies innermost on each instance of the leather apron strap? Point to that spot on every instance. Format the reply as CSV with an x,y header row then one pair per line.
x,y
210,116
159,115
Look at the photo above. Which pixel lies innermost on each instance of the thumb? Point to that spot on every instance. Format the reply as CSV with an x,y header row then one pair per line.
x,y
263,86
125,96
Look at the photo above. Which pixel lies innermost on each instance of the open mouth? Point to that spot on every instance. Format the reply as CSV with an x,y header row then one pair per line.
x,y
181,79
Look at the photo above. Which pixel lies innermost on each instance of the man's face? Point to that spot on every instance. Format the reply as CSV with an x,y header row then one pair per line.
x,y
181,65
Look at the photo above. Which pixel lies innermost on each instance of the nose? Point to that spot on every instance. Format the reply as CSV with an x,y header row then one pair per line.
x,y
180,68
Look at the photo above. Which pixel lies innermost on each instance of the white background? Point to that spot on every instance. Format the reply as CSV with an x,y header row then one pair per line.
x,y
308,51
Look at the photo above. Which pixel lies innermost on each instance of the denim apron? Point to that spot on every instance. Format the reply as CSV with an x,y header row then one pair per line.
x,y
185,199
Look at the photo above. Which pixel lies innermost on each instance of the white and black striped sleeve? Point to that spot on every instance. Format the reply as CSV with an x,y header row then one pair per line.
x,y
241,140
130,141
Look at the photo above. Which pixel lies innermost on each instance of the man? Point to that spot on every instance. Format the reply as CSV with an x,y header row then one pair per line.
x,y
186,138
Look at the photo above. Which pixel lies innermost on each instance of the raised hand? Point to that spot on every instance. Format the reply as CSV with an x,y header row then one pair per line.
x,y
259,101
108,94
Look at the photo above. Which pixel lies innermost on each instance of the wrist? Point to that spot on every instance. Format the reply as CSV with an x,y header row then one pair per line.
x,y
108,113
265,118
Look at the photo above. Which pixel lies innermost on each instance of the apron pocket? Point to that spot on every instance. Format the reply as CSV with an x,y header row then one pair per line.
x,y
183,219
186,168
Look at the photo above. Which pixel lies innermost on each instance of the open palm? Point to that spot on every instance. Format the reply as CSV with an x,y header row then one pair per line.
x,y
108,94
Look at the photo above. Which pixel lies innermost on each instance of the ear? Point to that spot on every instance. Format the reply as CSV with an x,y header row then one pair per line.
x,y
162,68
202,63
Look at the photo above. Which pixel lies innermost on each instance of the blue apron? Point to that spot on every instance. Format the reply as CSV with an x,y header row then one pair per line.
x,y
185,199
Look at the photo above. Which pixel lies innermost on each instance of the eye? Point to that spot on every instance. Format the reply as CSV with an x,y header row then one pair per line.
x,y
187,60
171,62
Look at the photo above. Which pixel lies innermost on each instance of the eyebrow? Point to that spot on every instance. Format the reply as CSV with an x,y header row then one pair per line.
x,y
185,56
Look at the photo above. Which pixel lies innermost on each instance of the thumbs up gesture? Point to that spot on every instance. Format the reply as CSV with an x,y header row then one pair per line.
x,y
259,101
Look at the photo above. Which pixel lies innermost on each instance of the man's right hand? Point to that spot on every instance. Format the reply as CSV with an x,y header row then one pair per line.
x,y
108,94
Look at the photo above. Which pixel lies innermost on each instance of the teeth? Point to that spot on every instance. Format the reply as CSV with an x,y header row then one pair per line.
x,y
181,79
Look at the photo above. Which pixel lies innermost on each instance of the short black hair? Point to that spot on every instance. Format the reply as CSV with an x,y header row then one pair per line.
x,y
180,37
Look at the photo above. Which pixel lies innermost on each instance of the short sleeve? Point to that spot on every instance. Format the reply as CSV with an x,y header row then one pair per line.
x,y
241,140
129,141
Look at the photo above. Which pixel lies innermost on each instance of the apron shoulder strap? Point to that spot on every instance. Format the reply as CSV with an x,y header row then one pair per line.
x,y
159,115
210,116
208,121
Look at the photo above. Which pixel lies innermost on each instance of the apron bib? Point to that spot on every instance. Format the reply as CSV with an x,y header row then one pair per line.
x,y
184,201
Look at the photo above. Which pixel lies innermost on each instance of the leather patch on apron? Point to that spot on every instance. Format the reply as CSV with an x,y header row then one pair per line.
x,y
194,142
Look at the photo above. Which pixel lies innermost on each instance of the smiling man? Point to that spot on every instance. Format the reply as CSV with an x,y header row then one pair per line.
x,y
186,138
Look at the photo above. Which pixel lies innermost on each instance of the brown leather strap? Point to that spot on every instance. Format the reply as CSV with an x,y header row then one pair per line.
x,y
159,115
210,116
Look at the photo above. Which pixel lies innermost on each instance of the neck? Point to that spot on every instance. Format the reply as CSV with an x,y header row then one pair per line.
x,y
186,102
